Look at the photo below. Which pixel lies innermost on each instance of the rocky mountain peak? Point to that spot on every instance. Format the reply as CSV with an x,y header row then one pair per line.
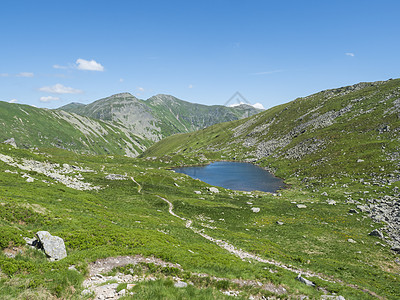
x,y
122,95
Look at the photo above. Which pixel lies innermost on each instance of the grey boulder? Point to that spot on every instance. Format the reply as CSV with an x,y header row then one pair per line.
x,y
305,280
53,246
376,233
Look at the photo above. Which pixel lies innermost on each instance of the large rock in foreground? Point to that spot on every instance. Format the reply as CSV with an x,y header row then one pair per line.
x,y
53,246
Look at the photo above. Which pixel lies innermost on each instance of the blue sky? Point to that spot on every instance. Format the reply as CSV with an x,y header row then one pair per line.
x,y
56,52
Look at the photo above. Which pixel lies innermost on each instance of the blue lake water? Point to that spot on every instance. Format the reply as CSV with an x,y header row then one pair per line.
x,y
235,176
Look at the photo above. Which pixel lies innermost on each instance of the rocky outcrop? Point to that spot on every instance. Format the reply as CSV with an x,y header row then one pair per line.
x,y
116,177
53,171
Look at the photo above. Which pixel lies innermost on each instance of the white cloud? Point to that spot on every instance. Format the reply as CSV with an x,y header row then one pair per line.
x,y
60,67
121,80
13,101
256,105
60,89
350,54
190,86
89,65
140,89
49,98
25,74
4,75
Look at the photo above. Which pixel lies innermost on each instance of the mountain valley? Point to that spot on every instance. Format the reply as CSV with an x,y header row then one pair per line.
x,y
99,177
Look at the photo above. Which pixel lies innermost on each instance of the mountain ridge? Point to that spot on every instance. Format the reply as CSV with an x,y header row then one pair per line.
x,y
120,124
160,115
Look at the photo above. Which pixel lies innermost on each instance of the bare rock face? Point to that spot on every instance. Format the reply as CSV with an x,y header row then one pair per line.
x,y
53,246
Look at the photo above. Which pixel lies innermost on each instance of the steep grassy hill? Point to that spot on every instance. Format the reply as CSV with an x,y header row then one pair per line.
x,y
34,127
160,115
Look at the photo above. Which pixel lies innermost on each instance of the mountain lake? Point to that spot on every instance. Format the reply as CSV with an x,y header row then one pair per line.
x,y
235,176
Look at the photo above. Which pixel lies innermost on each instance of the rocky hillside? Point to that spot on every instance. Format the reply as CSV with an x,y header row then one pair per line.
x,y
31,127
120,124
159,116
346,139
334,126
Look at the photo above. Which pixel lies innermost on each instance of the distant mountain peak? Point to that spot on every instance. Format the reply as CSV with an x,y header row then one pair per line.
x,y
122,95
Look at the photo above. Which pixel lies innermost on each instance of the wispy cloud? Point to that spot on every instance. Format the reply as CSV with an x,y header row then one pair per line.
x,y
140,89
90,65
121,80
60,89
4,74
60,67
25,74
49,98
82,64
255,105
190,86
13,101
350,54
267,72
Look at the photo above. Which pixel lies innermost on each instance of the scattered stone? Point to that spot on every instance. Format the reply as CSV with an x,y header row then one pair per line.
x,y
333,297
279,222
122,293
301,206
324,194
232,293
180,284
197,192
130,286
363,208
86,292
11,142
353,211
51,170
30,242
396,248
377,233
116,177
213,190
255,209
72,267
331,202
360,160
351,241
53,246
305,281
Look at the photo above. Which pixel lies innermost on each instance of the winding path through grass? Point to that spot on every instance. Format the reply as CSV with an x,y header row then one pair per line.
x,y
139,186
238,252
246,256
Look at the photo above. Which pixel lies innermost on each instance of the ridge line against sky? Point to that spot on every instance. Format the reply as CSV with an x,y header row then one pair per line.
x,y
57,52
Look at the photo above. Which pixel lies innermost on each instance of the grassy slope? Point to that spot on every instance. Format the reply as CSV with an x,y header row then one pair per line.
x,y
34,127
118,220
355,134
